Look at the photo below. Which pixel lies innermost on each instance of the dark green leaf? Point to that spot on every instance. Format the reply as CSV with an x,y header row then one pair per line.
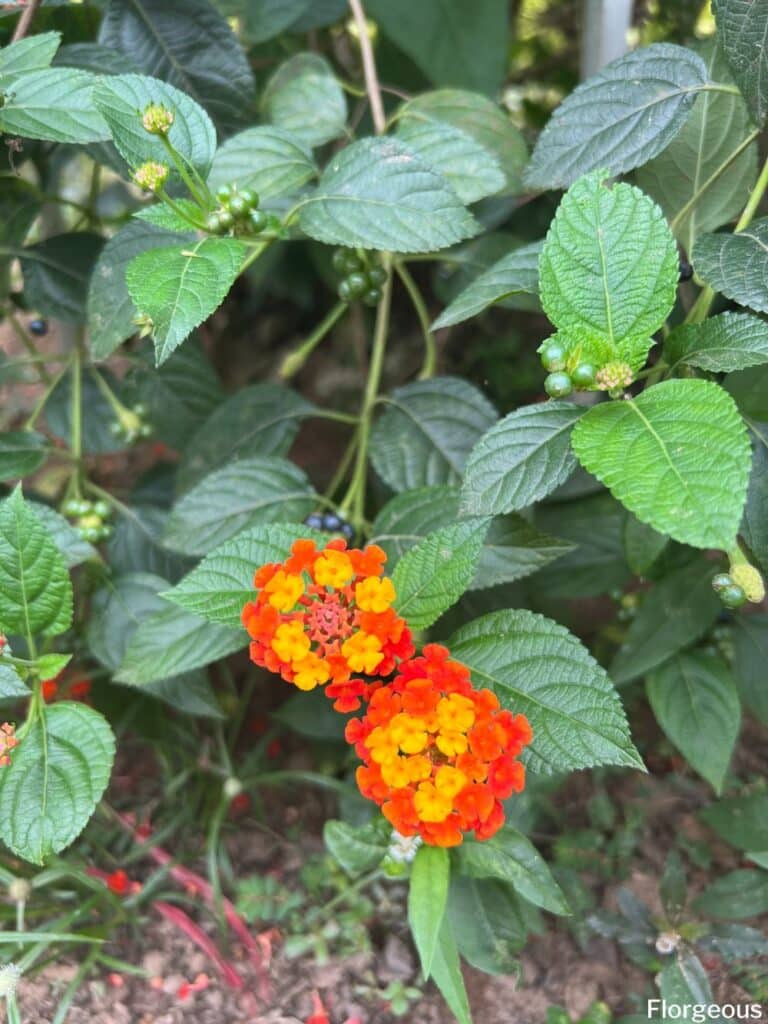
x,y
269,160
735,264
741,30
486,920
357,849
730,341
642,544
750,656
736,895
741,821
21,453
514,273
56,274
446,973
304,98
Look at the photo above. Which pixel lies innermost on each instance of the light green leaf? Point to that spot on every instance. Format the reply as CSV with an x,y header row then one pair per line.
x,y
21,453
511,857
695,701
51,665
56,777
741,31
122,100
433,575
35,589
269,160
446,974
31,54
750,656
472,171
11,685
54,104
160,215
514,273
304,97
678,456
245,493
684,980
111,313
486,920
679,178
357,849
378,194
619,118
608,271
734,896
537,668
520,460
741,821
179,286
427,432
56,274
730,341
736,264
427,900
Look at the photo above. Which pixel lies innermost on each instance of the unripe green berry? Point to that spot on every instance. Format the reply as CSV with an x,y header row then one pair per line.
x,y
102,509
106,531
372,297
339,261
115,428
377,276
345,292
558,385
352,264
257,220
584,375
238,206
553,356
733,596
721,582
145,430
71,508
249,197
358,284
213,223
224,193
226,220
140,409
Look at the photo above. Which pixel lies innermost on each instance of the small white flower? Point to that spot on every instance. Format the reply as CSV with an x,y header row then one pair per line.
x,y
402,849
667,943
9,979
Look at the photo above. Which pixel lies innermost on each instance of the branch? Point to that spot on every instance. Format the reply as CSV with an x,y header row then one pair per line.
x,y
25,21
372,86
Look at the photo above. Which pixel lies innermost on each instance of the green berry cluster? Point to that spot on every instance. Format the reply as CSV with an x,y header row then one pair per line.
x,y
559,383
90,518
360,280
728,590
237,212
132,425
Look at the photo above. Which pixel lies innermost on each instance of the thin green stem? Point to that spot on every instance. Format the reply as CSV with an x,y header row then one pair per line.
x,y
43,399
183,170
429,366
341,470
76,415
179,210
29,345
296,359
336,416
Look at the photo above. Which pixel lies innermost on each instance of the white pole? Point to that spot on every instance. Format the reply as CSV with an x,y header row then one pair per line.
x,y
604,34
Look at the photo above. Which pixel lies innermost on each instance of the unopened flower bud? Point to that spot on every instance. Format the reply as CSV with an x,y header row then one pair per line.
x,y
667,943
157,119
151,176
614,376
7,742
751,582
19,890
232,787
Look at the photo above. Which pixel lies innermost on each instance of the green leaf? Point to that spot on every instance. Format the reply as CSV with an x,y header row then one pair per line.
x,y
452,43
111,313
222,583
19,209
97,413
245,493
101,60
514,273
479,117
750,656
730,341
189,44
754,528
189,692
486,920
179,286
35,589
263,418
749,389
21,453
56,778
472,171
160,215
736,895
56,274
54,104
122,100
427,900
735,265
378,194
11,685
741,821
357,849
31,54
684,981
537,668
117,610
511,857
695,701
304,98
677,456
51,665
427,432
73,548
716,126
446,974
433,575
137,543
521,459
673,885
619,118
680,609
642,544
608,271
173,641
312,715
741,31
261,20
514,549
269,160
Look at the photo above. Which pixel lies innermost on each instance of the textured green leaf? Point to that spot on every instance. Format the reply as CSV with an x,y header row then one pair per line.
x,y
736,264
264,418
680,610
435,573
378,194
179,286
678,456
174,641
31,54
122,100
160,215
110,312
695,701
472,171
736,895
222,583
427,432
520,460
741,29
117,611
718,123
741,821
427,900
189,44
479,117
35,590
730,341
55,104
446,974
56,274
71,545
486,920
750,651
511,857
245,493
21,453
608,271
754,528
101,60
56,778
137,543
11,686
269,160
304,97
514,273
357,849
537,668
642,544
619,118
190,692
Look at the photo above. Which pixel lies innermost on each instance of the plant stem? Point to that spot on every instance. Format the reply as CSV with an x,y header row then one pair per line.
x,y
181,167
76,414
25,21
685,210
429,366
295,360
372,86
42,401
29,345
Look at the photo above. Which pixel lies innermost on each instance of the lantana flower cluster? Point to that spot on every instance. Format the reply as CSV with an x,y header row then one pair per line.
x,y
438,755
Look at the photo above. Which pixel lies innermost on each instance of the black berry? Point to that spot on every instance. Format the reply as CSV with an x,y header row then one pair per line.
x,y
314,521
686,270
331,521
38,327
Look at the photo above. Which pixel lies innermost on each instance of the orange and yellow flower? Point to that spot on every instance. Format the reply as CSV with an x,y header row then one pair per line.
x,y
325,618
438,755
8,742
